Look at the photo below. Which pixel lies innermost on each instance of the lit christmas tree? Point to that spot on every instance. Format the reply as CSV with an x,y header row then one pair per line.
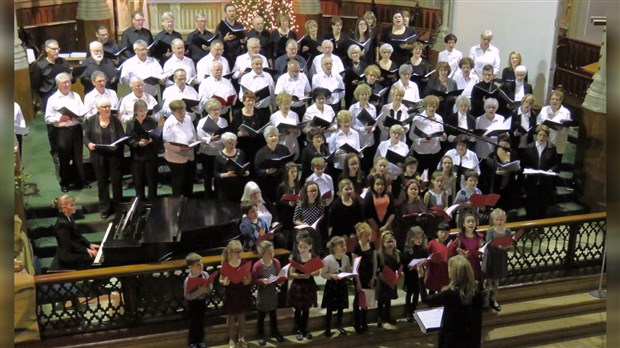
x,y
268,9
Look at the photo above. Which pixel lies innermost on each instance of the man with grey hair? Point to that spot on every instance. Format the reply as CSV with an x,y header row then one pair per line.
x,y
45,70
199,40
258,31
178,60
515,90
98,79
244,61
98,62
328,48
216,86
125,110
203,67
280,64
143,66
67,132
166,35
135,32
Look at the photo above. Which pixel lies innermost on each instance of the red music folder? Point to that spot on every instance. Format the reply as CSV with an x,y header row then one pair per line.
x,y
390,277
236,275
313,265
195,283
480,201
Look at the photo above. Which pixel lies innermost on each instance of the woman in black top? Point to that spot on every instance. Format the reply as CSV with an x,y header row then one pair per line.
x,y
362,34
144,146
280,36
316,148
286,208
352,170
229,174
345,212
442,83
247,140
268,176
102,129
504,182
341,40
310,44
354,71
461,323
395,34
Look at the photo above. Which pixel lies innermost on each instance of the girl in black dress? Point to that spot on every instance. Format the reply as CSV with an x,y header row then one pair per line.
x,y
336,294
286,207
345,212
387,257
367,272
414,248
352,170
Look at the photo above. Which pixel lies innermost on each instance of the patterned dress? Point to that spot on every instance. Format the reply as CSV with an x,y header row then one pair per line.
x,y
302,292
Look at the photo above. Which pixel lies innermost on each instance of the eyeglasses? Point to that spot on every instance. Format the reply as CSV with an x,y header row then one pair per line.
x,y
54,48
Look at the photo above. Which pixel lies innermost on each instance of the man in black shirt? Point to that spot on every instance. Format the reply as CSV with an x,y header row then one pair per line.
x,y
280,65
166,35
97,62
259,31
44,71
103,36
134,32
231,33
199,49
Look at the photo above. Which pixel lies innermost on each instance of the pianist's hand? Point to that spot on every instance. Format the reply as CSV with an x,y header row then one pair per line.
x,y
94,246
91,252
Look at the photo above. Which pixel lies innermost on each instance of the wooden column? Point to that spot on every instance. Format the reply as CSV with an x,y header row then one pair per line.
x,y
91,14
594,159
306,10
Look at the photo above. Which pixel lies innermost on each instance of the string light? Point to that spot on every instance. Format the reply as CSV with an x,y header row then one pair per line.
x,y
268,9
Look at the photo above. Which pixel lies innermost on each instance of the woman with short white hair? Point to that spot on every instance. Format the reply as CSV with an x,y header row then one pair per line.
x,y
230,169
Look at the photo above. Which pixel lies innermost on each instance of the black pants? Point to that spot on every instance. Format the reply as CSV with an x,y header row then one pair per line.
x,y
412,294
384,309
144,173
196,313
208,162
108,170
69,147
273,323
301,319
182,178
427,161
359,315
328,318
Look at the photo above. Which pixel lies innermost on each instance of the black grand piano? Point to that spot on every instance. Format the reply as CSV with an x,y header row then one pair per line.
x,y
167,229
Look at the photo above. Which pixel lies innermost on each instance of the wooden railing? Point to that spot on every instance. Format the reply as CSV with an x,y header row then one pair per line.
x,y
56,21
136,295
571,56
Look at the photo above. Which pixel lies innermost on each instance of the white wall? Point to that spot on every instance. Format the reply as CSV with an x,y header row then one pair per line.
x,y
528,27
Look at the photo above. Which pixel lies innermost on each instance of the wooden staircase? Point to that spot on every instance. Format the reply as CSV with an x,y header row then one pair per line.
x,y
539,313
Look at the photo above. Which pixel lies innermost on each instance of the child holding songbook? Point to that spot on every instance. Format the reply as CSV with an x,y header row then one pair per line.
x,y
436,276
308,210
410,171
336,294
415,248
366,273
468,243
267,294
412,211
302,291
464,194
238,296
495,261
387,257
252,227
196,305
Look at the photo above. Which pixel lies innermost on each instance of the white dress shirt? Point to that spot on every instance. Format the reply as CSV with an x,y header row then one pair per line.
x,y
210,87
297,87
173,63
412,93
466,84
482,58
92,97
469,160
135,67
178,132
557,138
125,110
288,140
483,148
71,101
401,114
452,58
203,67
400,148
427,126
208,147
326,184
366,138
340,138
175,93
330,82
327,114
19,122
244,61
337,66
255,82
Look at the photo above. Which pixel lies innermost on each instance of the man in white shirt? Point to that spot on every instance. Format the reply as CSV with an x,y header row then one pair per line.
x,y
180,90
450,55
143,66
328,48
556,113
99,80
296,84
329,79
256,80
216,86
244,61
178,60
125,110
67,133
216,54
485,53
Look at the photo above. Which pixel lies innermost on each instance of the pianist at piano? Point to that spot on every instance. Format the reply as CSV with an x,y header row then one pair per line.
x,y
73,251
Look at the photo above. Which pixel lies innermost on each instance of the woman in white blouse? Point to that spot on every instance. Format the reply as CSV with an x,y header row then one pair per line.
x,y
396,145
210,129
396,109
427,133
321,110
555,112
344,135
288,137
